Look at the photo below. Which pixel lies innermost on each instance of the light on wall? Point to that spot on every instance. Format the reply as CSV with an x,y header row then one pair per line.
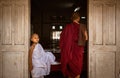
x,y
53,27
77,9
83,17
61,27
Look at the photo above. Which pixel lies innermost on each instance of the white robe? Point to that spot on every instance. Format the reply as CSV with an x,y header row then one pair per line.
x,y
41,61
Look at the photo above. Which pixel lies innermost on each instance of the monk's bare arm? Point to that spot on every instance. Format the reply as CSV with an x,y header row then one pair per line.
x,y
86,35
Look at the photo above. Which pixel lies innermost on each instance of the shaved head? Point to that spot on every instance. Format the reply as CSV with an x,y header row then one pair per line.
x,y
33,35
35,38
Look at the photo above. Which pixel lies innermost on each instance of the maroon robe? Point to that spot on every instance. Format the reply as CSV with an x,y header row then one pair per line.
x,y
71,52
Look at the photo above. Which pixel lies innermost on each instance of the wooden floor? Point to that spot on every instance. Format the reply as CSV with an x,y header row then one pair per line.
x,y
58,74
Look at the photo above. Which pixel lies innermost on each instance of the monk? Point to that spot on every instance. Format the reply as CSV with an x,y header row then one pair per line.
x,y
72,42
39,60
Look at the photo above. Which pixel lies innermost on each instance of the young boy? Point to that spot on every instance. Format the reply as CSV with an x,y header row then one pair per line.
x,y
39,60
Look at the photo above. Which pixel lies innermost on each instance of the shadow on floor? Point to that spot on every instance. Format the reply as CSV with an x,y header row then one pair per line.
x,y
58,74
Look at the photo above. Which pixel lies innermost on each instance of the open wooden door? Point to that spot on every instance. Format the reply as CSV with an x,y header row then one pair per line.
x,y
14,42
104,38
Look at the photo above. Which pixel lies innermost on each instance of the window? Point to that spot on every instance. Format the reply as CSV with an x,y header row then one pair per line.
x,y
56,35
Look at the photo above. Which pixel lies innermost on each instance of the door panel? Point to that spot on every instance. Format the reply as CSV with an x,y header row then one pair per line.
x,y
104,42
13,63
14,38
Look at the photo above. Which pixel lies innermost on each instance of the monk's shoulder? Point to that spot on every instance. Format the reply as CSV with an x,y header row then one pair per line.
x,y
69,26
83,26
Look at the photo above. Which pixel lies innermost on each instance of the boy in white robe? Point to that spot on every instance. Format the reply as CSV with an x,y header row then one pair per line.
x,y
39,60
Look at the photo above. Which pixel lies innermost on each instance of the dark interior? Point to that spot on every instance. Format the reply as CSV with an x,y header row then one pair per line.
x,y
49,17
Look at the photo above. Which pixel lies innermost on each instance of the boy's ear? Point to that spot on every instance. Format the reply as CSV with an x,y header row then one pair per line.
x,y
31,39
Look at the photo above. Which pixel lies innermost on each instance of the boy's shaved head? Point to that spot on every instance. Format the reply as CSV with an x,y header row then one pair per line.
x,y
35,38
33,35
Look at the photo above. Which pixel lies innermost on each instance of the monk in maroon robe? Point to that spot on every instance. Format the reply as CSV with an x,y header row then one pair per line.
x,y
72,41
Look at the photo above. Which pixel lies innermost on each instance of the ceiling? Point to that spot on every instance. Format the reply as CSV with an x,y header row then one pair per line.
x,y
57,4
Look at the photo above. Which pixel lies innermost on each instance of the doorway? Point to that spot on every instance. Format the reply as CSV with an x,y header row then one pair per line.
x,y
48,18
104,40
